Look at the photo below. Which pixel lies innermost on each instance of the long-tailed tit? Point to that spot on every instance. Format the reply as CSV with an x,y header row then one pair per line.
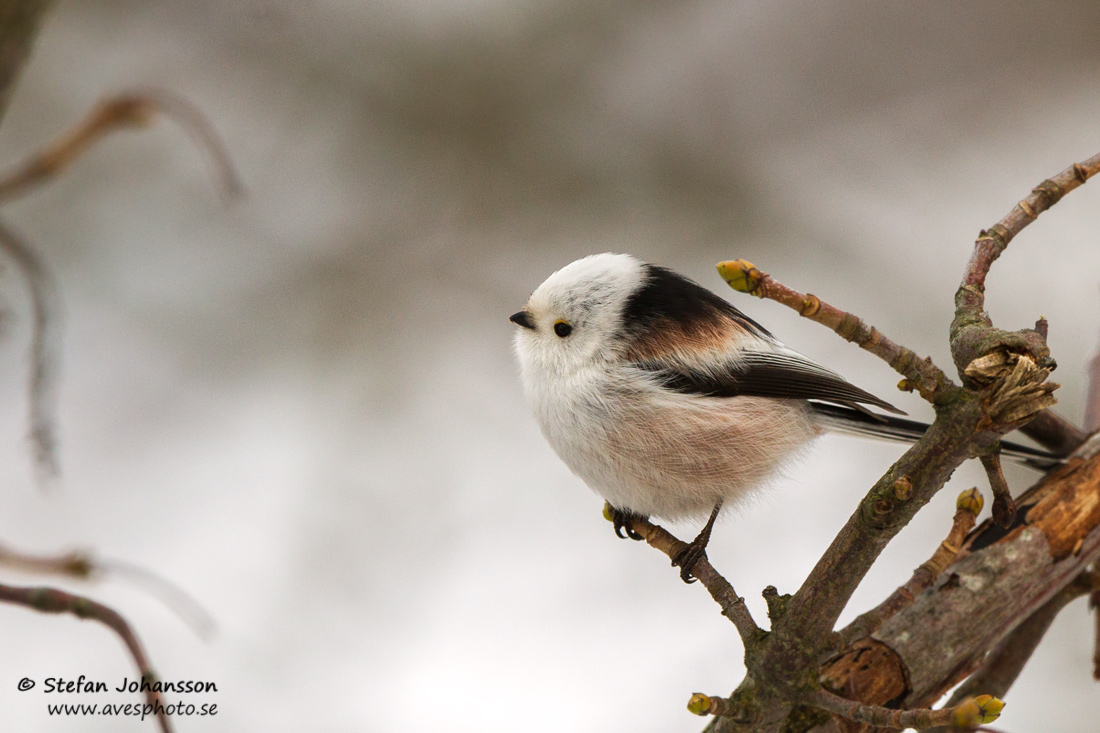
x,y
668,401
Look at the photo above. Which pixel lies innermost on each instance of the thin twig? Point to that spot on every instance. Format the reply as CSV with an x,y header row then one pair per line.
x,y
967,508
920,374
82,566
52,600
69,565
1004,508
969,714
993,241
965,716
733,606
133,109
124,111
45,354
171,595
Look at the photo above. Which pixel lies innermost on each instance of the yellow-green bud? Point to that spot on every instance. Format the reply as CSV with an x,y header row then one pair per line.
x,y
970,500
699,704
741,275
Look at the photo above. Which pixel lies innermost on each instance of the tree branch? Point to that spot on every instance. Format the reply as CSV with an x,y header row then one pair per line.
x,y
1000,580
19,23
732,605
52,600
1005,378
45,356
967,508
135,109
82,566
967,715
920,374
1003,665
993,241
1004,508
1055,433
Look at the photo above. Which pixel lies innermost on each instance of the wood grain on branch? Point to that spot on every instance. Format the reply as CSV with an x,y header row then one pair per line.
x,y
1001,578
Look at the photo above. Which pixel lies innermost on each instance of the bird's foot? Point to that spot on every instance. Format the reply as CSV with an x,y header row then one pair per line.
x,y
695,550
622,520
686,558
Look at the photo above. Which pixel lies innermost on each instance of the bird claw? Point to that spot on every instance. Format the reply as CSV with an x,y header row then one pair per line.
x,y
686,559
622,519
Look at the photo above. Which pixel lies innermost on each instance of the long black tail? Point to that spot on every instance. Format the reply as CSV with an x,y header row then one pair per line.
x,y
888,427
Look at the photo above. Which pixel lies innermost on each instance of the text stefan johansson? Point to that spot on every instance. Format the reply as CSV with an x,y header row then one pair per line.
x,y
82,684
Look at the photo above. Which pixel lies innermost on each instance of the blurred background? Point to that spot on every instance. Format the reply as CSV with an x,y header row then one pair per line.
x,y
303,407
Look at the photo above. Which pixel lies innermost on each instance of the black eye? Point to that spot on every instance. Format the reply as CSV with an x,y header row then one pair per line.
x,y
562,329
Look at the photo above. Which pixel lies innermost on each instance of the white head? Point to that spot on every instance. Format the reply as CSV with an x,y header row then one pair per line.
x,y
575,317
605,307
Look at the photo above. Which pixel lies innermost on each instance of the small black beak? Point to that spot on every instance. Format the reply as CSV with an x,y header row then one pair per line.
x,y
522,319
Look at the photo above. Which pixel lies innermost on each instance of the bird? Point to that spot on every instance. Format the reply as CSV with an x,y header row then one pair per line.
x,y
669,402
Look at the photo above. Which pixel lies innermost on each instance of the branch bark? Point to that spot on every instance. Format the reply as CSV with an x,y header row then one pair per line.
x,y
19,23
1001,579
998,581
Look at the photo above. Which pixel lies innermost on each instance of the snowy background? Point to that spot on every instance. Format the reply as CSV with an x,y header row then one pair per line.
x,y
303,407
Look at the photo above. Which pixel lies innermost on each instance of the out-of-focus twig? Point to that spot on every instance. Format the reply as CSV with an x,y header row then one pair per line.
x,y
1055,433
82,566
19,23
135,109
171,595
45,354
52,600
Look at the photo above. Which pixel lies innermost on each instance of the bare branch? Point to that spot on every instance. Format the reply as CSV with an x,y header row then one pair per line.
x,y
69,565
19,23
1055,433
82,566
52,600
920,374
1004,509
993,241
967,715
733,606
45,354
123,111
973,336
1003,665
1000,579
968,506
